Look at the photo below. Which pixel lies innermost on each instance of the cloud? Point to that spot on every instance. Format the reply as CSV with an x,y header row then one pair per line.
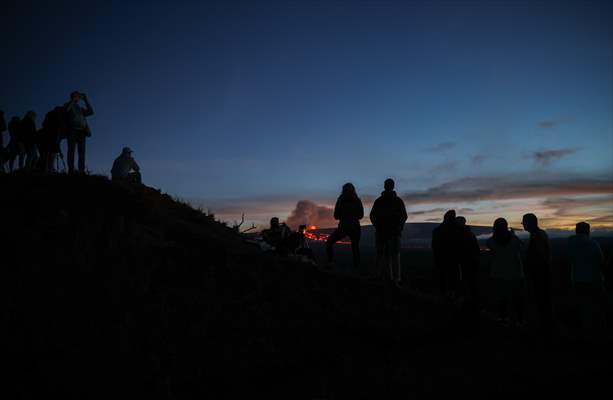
x,y
471,189
445,167
546,157
444,146
310,213
478,159
547,124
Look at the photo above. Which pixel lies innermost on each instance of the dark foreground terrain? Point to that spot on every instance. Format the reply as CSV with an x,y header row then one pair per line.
x,y
114,292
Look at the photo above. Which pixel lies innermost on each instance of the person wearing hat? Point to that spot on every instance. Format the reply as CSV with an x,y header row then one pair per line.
x,y
78,129
125,168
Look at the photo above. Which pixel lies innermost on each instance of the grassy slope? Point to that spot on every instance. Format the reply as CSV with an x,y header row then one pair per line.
x,y
112,290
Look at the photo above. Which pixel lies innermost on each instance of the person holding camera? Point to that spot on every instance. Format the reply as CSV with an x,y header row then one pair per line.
x,y
78,129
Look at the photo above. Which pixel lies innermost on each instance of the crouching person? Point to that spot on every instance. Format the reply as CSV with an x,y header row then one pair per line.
x,y
125,168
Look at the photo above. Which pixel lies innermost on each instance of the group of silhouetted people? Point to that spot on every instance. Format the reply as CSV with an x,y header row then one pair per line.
x,y
388,215
519,272
40,148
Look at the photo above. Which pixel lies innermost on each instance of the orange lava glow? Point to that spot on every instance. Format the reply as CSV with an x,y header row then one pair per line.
x,y
310,234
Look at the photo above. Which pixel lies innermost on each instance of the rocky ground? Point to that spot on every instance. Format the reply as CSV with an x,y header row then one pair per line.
x,y
114,291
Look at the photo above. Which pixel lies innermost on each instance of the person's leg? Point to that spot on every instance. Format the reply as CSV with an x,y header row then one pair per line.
x,y
335,237
380,267
355,247
81,150
22,155
70,149
394,253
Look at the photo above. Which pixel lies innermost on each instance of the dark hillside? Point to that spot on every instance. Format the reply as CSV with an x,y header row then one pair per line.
x,y
111,291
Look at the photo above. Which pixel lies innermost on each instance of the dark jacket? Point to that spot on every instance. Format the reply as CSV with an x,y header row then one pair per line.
x,y
538,256
388,214
469,251
15,131
348,210
446,240
28,131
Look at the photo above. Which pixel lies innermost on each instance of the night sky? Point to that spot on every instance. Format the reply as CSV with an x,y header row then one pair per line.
x,y
494,108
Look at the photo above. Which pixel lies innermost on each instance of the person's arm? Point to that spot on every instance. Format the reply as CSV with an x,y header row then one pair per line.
x,y
373,214
135,166
88,110
361,209
337,209
403,212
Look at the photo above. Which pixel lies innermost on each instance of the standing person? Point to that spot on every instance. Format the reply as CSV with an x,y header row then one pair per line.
x,y
538,272
586,277
16,145
3,150
388,215
469,259
30,136
506,272
348,211
78,129
445,248
49,142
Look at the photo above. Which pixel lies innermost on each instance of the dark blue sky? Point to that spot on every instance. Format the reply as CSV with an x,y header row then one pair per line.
x,y
255,105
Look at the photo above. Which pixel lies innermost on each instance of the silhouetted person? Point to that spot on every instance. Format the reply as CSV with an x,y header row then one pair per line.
x,y
348,211
3,150
506,271
388,215
469,257
30,137
125,168
276,235
78,129
17,148
445,248
49,140
538,271
587,279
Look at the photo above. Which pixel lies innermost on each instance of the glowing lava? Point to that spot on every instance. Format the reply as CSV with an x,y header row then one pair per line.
x,y
310,234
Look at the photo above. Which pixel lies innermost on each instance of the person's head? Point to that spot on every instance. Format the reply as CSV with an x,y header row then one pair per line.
x,y
15,119
76,96
461,221
449,217
1,113
582,228
348,189
500,230
274,222
530,222
31,114
126,151
389,184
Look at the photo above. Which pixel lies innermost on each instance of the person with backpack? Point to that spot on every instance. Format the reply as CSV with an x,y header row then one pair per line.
x,y
348,211
388,215
469,259
3,150
78,129
49,143
16,145
506,272
538,272
446,239
30,138
587,277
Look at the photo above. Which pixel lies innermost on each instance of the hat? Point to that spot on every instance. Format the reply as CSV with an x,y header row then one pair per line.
x,y
126,150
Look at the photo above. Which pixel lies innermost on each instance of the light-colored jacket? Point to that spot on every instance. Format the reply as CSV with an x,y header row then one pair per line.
x,y
505,259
